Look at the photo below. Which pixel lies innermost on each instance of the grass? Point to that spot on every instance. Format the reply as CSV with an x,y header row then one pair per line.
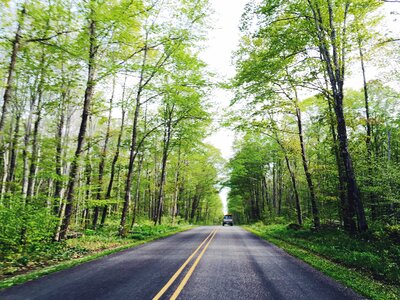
x,y
368,266
91,245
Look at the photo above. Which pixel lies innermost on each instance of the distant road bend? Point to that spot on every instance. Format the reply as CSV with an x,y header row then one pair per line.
x,y
202,263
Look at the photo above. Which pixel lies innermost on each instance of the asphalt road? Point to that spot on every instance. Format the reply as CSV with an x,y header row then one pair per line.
x,y
229,264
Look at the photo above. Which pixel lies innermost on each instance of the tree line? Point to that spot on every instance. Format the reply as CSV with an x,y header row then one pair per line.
x,y
312,147
104,113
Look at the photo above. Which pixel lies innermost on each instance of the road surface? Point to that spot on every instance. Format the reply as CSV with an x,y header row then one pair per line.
x,y
202,263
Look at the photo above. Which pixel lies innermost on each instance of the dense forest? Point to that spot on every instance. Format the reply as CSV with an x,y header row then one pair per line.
x,y
106,107
104,113
317,87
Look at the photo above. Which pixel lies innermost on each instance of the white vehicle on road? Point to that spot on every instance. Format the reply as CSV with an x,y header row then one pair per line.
x,y
228,219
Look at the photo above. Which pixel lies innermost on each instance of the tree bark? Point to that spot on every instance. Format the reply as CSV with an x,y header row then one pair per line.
x,y
88,194
82,130
14,152
99,194
370,180
133,150
347,212
113,165
35,145
334,61
166,145
310,183
137,193
366,101
59,154
296,193
16,44
176,189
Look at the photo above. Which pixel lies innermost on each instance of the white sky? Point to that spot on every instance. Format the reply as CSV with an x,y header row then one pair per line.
x,y
222,41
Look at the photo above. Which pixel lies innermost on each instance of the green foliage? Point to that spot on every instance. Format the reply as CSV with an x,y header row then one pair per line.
x,y
142,232
117,41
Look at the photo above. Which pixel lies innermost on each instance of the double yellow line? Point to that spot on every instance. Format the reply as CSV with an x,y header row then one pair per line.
x,y
179,289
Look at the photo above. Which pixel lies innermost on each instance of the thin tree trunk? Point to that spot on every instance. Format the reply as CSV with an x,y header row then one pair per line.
x,y
310,184
274,188
133,150
296,193
35,151
99,194
166,146
280,188
176,189
16,44
82,131
35,145
370,180
59,153
389,144
137,194
88,174
292,177
366,101
113,165
194,206
14,152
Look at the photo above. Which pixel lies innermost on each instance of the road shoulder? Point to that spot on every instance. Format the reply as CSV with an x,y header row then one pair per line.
x,y
357,281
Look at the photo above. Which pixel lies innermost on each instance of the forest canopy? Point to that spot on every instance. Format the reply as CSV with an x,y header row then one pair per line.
x,y
104,112
316,145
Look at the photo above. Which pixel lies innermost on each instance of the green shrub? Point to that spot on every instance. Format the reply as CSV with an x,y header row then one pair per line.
x,y
393,232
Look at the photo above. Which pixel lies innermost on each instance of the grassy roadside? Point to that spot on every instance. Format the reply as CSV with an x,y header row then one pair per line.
x,y
356,263
88,247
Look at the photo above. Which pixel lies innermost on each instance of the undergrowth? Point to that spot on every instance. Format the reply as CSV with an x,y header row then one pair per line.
x,y
45,252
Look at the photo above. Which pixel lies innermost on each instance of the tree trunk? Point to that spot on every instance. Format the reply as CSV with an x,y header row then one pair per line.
x,y
310,184
99,194
13,156
35,145
347,212
82,131
88,194
372,195
194,206
166,147
366,101
293,179
296,193
280,187
113,165
133,150
8,89
137,194
160,198
59,153
353,192
334,60
389,144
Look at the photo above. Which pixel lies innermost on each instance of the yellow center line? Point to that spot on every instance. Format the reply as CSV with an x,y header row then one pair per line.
x,y
186,278
173,278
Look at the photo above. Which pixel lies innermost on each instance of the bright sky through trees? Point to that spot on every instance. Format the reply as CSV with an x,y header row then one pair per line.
x,y
222,41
